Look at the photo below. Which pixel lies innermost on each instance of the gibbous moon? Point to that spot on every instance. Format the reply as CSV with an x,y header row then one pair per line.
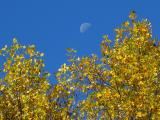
x,y
84,27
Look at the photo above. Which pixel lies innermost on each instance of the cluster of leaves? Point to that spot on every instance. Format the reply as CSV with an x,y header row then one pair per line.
x,y
25,90
23,83
123,84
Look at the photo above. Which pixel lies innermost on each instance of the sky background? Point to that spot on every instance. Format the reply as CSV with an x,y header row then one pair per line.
x,y
54,25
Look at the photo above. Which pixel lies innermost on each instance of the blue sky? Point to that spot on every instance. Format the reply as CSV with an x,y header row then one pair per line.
x,y
54,25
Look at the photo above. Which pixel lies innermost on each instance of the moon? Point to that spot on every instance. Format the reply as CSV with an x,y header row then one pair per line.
x,y
84,27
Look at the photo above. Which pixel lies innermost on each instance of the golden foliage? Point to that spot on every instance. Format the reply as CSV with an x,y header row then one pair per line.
x,y
123,84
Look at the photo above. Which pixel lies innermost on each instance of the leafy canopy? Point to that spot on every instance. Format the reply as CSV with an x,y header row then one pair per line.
x,y
124,83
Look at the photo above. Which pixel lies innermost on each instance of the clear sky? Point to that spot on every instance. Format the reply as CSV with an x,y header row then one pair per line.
x,y
54,25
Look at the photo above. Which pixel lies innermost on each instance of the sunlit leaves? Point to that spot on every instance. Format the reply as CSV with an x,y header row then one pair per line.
x,y
124,83
70,50
132,15
24,85
30,50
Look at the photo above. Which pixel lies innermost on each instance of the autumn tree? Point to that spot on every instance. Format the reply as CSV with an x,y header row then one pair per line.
x,y
23,83
124,83
25,91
